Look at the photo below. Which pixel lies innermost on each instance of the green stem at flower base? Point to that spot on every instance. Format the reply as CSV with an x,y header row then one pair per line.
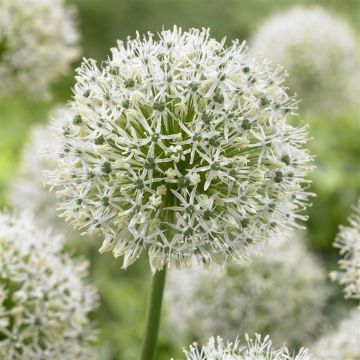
x,y
149,347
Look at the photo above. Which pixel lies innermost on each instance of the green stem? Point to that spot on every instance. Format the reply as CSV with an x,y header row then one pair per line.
x,y
153,316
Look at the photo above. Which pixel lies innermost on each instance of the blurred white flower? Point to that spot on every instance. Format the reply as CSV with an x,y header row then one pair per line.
x,y
320,53
343,343
38,42
44,299
348,241
256,348
27,190
195,98
282,293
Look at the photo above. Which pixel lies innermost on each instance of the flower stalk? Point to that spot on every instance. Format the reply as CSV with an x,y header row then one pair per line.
x,y
152,325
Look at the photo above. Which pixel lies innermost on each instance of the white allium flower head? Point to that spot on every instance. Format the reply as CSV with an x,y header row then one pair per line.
x,y
282,293
256,348
38,42
44,298
348,241
320,52
180,145
343,343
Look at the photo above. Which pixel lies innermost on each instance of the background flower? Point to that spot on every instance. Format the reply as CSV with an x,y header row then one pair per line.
x,y
320,53
44,298
27,190
254,349
178,146
348,241
38,42
283,293
341,344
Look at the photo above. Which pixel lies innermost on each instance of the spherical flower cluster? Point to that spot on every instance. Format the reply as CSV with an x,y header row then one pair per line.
x,y
38,42
28,192
283,293
343,343
348,241
44,299
320,52
256,348
180,146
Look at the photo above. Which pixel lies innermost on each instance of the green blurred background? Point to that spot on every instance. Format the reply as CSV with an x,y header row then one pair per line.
x,y
336,143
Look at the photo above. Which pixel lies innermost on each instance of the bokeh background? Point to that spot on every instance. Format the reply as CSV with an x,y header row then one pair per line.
x,y
335,141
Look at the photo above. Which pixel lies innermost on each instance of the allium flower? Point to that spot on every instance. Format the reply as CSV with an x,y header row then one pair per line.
x,y
180,145
320,52
44,299
343,343
254,349
28,191
283,293
38,42
348,241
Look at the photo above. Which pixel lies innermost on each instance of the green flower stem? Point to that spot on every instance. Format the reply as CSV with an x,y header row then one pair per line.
x,y
153,316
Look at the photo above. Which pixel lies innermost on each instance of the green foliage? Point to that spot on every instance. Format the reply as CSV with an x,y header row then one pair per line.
x,y
336,181
105,21
17,115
